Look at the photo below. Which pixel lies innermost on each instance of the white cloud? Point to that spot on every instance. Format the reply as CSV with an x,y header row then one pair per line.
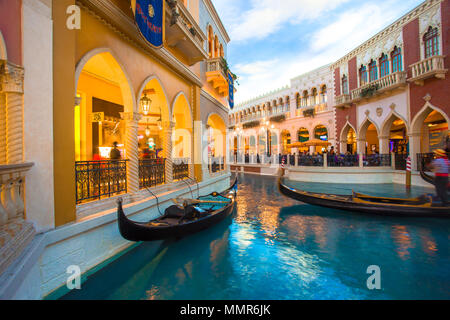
x,y
266,17
348,30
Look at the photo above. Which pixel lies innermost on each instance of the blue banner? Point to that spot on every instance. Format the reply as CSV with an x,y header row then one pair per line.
x,y
149,17
230,90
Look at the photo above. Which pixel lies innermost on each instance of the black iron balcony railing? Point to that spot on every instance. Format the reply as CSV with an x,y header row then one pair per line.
x,y
340,160
377,160
98,179
152,172
180,170
310,160
400,161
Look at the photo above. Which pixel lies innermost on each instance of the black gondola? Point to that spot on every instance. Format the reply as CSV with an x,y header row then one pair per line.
x,y
430,179
414,207
177,222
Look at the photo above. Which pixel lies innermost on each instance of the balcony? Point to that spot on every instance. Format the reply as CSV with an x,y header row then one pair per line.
x,y
183,33
428,68
312,110
343,101
380,86
216,76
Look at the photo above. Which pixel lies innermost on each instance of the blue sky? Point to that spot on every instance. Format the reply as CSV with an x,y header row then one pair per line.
x,y
274,41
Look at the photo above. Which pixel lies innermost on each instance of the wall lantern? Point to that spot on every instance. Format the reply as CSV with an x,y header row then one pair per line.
x,y
145,104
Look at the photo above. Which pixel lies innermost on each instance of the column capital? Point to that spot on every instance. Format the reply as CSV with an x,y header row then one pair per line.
x,y
131,116
11,77
383,137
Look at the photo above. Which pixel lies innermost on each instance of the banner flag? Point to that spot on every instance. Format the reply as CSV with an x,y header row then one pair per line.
x,y
149,17
230,89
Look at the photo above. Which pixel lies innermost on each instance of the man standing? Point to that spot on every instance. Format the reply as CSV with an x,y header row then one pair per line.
x,y
440,167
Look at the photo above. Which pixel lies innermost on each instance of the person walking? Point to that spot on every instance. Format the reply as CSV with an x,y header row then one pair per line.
x,y
440,166
114,154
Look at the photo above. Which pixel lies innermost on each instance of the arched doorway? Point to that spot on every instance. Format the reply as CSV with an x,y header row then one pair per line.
x,y
303,136
182,119
368,138
320,133
285,141
397,137
104,102
216,134
348,140
433,133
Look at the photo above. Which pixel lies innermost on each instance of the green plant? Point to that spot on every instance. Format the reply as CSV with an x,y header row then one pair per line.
x,y
279,118
369,91
226,69
309,113
252,124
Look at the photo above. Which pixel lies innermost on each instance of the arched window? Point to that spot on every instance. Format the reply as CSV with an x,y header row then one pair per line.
x,y
384,66
314,97
362,75
373,71
287,103
216,47
210,41
344,85
323,94
222,53
305,98
396,56
298,100
431,41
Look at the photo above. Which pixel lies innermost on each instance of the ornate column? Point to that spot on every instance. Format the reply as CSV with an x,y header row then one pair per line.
x,y
131,148
384,144
11,84
167,149
2,128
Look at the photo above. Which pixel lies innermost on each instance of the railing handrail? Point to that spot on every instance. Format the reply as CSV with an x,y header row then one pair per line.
x,y
436,57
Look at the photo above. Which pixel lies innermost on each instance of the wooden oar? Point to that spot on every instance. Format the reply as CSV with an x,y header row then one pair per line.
x,y
186,202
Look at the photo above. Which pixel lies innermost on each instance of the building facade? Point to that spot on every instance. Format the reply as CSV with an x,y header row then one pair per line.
x,y
91,112
283,121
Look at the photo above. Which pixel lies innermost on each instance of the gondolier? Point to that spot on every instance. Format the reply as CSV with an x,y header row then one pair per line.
x,y
440,166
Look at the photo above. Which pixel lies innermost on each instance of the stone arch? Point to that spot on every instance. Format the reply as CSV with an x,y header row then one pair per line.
x,y
3,51
343,137
387,123
183,127
420,117
167,111
182,95
216,136
114,63
362,131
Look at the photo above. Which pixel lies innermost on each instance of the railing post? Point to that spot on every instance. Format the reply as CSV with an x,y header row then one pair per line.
x,y
325,160
131,147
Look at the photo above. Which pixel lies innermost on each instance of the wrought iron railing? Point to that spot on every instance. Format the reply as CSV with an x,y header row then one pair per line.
x,y
292,160
310,160
180,169
377,160
400,161
343,160
247,158
98,179
152,172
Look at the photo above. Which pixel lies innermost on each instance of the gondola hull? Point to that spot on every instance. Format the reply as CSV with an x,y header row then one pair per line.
x,y
136,231
348,203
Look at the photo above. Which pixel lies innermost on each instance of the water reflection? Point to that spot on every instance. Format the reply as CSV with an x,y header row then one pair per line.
x,y
278,248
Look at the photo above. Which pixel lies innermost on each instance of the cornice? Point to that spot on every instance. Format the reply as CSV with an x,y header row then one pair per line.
x,y
214,100
110,15
213,13
394,27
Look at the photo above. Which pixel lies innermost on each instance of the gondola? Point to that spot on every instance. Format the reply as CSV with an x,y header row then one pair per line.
x,y
182,219
414,207
430,179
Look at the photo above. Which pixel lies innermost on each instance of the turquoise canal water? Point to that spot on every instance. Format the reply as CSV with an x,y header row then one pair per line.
x,y
277,248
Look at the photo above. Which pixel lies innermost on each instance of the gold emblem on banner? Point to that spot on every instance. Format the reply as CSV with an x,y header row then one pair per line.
x,y
151,11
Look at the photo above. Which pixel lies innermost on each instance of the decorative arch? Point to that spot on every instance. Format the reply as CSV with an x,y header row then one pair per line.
x,y
361,134
182,95
3,51
386,126
416,123
345,129
167,111
126,86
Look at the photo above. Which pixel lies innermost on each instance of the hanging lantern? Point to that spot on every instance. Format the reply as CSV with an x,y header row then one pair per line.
x,y
145,104
147,131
